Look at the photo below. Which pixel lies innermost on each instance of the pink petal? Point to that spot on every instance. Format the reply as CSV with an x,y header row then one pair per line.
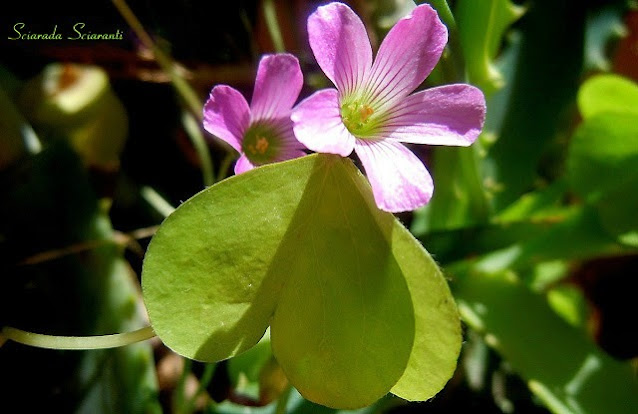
x,y
277,86
243,164
447,115
318,125
226,115
340,44
407,55
399,180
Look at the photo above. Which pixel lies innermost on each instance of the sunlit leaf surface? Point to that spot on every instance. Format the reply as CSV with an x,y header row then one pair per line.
x,y
356,305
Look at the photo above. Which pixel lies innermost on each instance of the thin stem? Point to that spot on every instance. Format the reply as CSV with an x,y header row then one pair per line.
x,y
179,393
270,14
207,376
181,86
118,238
77,342
201,147
158,202
224,166
188,94
65,251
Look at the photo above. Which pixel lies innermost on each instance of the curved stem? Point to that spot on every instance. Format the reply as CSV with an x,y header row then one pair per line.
x,y
156,201
192,128
183,88
77,342
223,168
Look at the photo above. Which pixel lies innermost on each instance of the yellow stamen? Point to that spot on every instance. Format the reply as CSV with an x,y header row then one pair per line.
x,y
262,145
365,113
356,116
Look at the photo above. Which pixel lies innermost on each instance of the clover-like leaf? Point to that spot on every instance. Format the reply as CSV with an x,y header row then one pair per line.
x,y
355,304
607,93
603,154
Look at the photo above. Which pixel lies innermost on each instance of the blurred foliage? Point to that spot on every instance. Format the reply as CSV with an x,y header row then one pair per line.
x,y
535,224
76,103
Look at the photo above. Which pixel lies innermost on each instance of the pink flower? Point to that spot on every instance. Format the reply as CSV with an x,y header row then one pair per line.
x,y
261,133
372,111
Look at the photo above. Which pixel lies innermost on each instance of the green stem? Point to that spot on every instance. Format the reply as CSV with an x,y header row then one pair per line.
x,y
180,388
188,94
158,202
77,342
224,166
471,166
201,147
207,376
270,14
181,86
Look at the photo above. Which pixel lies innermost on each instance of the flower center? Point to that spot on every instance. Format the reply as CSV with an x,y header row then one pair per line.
x,y
356,117
260,144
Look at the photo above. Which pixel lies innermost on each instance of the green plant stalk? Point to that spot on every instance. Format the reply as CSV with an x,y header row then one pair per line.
x,y
76,342
270,14
188,95
183,88
471,170
158,202
180,393
193,130
225,164
207,376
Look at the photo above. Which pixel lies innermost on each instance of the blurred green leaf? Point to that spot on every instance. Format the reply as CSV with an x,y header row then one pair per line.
x,y
482,25
458,199
608,93
248,365
603,169
546,274
561,366
603,156
341,283
578,235
548,68
569,303
537,205
76,102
